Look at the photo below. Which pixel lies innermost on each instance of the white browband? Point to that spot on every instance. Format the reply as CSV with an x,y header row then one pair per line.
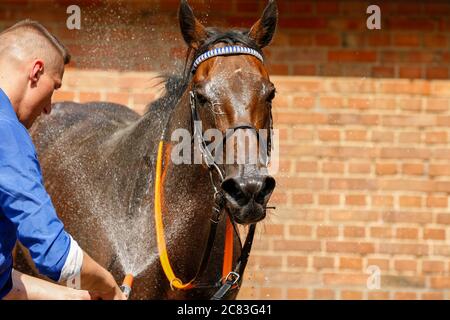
x,y
225,51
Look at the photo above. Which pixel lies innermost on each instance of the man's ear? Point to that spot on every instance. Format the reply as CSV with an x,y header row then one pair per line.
x,y
37,70
264,29
194,33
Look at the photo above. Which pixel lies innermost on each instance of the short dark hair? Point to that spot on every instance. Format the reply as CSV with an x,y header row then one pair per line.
x,y
39,28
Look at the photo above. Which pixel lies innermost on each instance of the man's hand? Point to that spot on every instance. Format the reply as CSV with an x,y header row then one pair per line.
x,y
98,281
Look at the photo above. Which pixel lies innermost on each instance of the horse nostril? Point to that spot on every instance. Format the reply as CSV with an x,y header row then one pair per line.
x,y
233,189
258,189
267,187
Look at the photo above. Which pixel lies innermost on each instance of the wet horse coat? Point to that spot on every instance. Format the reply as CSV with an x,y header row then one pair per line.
x,y
99,159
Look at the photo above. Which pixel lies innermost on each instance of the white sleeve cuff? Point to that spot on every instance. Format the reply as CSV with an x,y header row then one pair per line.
x,y
74,261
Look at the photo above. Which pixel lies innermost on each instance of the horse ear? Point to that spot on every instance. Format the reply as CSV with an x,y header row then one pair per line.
x,y
194,33
264,29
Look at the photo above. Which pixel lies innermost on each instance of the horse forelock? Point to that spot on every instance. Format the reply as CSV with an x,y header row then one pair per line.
x,y
176,85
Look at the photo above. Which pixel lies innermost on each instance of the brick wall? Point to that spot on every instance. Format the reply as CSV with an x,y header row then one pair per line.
x,y
324,37
364,180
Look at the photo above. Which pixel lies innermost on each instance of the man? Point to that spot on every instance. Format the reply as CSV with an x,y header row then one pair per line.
x,y
31,67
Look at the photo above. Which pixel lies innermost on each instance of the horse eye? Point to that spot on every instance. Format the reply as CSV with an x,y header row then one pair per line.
x,y
202,100
271,96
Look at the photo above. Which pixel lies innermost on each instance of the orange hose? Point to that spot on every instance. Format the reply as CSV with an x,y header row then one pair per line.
x,y
128,281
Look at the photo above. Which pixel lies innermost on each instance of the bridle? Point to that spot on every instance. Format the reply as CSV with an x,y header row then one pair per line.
x,y
231,278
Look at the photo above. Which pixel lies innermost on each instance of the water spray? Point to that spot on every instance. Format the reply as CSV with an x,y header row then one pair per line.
x,y
126,285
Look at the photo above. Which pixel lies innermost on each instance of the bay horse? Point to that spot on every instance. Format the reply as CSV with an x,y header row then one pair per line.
x,y
103,164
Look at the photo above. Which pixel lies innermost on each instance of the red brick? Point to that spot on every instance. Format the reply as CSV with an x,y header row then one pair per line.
x,y
355,200
405,265
120,98
405,296
323,262
278,68
401,248
432,266
329,135
297,245
326,294
274,229
306,166
359,167
409,137
410,201
435,41
352,56
409,40
327,232
377,295
331,102
382,201
350,263
437,73
350,247
360,103
271,293
410,72
89,97
379,40
303,23
439,170
305,69
327,39
434,234
341,279
383,169
301,40
297,294
333,167
413,168
408,23
436,105
351,295
59,96
440,282
329,199
302,198
297,262
383,72
383,264
407,233
300,230
437,202
381,232
432,296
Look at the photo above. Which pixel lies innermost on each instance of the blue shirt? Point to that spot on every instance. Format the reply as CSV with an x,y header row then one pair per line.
x,y
26,210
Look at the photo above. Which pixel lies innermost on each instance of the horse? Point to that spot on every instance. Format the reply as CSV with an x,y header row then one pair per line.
x,y
108,169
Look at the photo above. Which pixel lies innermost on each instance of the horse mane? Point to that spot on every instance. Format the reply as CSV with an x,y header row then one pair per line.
x,y
175,85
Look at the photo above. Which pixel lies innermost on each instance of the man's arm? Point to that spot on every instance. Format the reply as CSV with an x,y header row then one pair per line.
x,y
25,202
30,288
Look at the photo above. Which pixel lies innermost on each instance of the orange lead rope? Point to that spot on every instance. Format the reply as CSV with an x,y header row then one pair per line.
x,y
228,250
162,248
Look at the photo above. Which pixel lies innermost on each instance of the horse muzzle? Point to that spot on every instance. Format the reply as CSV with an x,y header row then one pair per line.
x,y
247,197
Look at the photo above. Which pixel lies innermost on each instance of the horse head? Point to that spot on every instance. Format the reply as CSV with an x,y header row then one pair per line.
x,y
231,92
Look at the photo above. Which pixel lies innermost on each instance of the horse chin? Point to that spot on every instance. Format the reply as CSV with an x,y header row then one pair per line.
x,y
250,213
